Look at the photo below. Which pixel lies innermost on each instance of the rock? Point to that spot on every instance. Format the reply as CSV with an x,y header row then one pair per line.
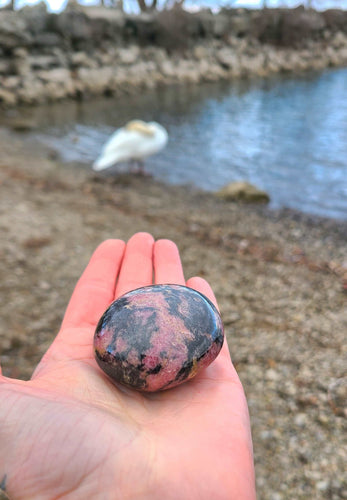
x,y
300,24
240,24
20,63
335,19
5,66
201,52
339,40
46,40
221,25
129,55
342,54
57,75
42,62
276,496
337,396
227,58
178,29
105,23
73,25
32,91
96,80
322,485
186,71
80,59
272,375
252,65
13,30
206,22
11,83
168,68
175,46
7,98
36,18
157,337
243,191
300,419
22,124
266,26
95,13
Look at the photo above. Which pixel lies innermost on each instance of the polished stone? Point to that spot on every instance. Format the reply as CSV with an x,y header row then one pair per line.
x,y
157,337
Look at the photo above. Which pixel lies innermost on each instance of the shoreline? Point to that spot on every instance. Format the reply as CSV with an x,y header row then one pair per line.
x,y
42,166
27,122
92,51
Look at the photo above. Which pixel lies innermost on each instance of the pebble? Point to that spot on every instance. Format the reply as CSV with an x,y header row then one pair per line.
x,y
300,419
322,485
272,374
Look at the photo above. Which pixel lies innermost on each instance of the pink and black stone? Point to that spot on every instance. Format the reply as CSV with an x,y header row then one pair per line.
x,y
157,337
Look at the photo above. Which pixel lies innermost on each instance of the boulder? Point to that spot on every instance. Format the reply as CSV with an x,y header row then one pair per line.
x,y
46,40
56,75
78,59
42,62
221,25
177,29
227,58
129,55
13,30
105,23
241,23
96,80
36,18
300,24
7,97
335,19
141,27
20,61
206,22
5,66
201,52
22,124
73,25
31,91
243,191
339,40
267,25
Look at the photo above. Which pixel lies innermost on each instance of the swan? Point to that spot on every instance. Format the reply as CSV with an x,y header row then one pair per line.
x,y
133,142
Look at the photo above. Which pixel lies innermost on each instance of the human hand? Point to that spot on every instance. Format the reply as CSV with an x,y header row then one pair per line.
x,y
70,433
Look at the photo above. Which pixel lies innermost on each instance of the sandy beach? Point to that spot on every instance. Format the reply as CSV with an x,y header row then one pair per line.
x,y
278,277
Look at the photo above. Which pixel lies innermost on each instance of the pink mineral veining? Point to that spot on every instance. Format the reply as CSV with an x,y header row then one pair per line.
x,y
157,337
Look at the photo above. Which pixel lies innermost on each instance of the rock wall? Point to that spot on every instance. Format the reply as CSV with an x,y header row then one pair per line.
x,y
92,51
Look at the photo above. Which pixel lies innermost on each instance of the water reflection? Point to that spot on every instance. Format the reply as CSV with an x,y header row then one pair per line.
x,y
288,136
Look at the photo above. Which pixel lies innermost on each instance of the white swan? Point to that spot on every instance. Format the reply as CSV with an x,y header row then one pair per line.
x,y
133,142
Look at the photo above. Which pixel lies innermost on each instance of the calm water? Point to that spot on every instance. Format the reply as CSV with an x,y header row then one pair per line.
x,y
287,136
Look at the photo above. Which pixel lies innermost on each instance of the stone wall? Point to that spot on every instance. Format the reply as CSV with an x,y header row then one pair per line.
x,y
93,51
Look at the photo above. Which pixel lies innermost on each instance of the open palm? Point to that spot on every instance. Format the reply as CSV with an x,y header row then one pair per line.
x,y
70,433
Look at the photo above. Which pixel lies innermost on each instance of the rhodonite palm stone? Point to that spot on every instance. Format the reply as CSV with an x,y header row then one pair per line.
x,y
157,337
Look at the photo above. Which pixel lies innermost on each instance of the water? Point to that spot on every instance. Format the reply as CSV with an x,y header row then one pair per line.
x,y
287,136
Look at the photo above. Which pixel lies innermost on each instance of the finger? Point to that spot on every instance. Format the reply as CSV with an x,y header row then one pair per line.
x,y
167,263
95,289
202,286
137,266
